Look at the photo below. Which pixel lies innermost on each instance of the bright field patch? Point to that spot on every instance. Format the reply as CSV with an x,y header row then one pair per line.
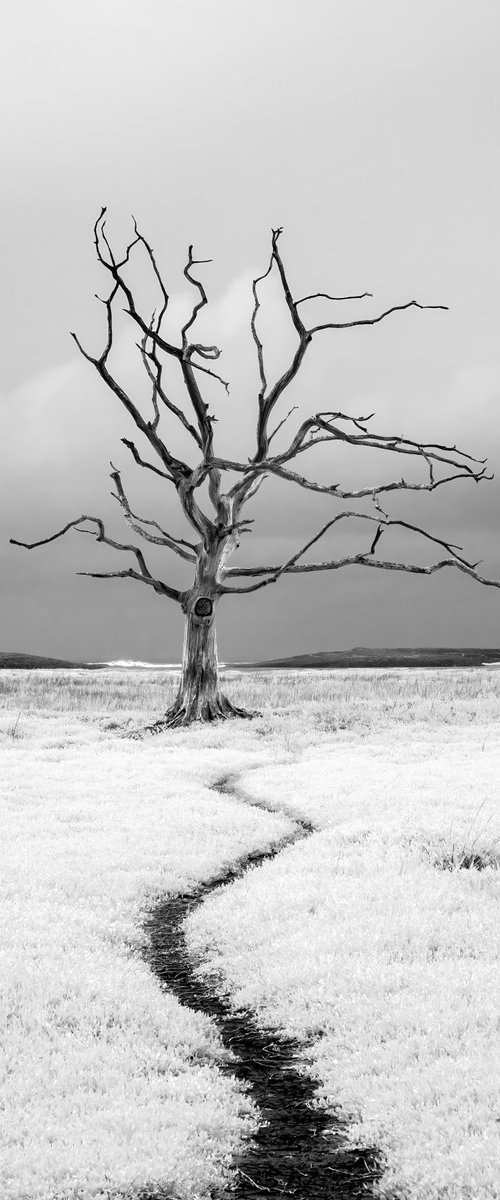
x,y
368,940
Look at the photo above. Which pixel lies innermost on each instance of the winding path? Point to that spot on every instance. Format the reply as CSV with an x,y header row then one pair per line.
x,y
298,1150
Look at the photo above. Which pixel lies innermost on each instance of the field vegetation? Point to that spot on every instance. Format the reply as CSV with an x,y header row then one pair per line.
x,y
374,942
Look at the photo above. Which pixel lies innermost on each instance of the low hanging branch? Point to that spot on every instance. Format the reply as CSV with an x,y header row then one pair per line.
x,y
143,574
219,525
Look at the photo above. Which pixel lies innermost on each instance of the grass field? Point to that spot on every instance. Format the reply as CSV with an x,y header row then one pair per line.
x,y
374,942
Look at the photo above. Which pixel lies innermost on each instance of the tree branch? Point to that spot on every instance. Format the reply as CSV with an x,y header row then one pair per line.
x,y
326,296
192,262
268,398
114,268
449,456
176,467
151,334
164,539
161,588
383,522
100,535
334,489
141,463
361,560
375,320
149,252
190,348
206,352
253,329
280,426
205,421
291,305
156,379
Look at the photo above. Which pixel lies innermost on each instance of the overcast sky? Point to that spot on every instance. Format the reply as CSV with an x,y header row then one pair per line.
x,y
369,130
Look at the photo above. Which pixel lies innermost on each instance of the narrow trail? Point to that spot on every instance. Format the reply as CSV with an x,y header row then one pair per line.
x,y
298,1150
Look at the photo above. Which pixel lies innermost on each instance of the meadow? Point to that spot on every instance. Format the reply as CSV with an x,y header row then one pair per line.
x,y
374,942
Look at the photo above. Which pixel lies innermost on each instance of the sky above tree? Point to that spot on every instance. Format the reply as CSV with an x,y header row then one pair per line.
x,y
369,132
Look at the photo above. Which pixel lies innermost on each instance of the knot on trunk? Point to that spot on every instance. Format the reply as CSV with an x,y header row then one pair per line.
x,y
203,610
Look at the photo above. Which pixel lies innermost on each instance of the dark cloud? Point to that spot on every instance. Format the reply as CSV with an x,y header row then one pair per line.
x,y
374,142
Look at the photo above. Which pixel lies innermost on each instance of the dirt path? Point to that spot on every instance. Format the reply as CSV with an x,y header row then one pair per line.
x,y
298,1150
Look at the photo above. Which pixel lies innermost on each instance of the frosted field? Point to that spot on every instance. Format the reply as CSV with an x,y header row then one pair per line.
x,y
375,941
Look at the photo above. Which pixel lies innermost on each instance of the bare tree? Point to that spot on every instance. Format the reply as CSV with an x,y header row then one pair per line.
x,y
217,533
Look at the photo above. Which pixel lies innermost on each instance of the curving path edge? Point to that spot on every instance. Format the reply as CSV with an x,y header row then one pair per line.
x,y
299,1150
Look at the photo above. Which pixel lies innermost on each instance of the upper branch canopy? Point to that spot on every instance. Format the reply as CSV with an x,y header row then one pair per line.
x,y
155,374
269,396
442,463
150,329
152,346
462,464
175,467
323,427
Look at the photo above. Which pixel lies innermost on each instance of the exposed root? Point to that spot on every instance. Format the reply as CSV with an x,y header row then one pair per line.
x,y
182,714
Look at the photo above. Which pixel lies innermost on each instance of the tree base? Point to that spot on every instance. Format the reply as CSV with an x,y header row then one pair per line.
x,y
183,713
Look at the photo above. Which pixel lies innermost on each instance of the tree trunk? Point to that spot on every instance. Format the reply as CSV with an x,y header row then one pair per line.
x,y
200,697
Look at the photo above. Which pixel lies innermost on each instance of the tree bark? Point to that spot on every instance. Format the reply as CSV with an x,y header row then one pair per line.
x,y
200,697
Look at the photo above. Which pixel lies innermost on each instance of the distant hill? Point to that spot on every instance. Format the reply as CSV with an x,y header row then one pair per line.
x,y
32,662
366,656
360,656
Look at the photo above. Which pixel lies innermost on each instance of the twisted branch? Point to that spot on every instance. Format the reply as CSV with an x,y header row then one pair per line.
x,y
143,574
326,296
176,468
141,463
162,538
381,317
443,463
383,522
268,398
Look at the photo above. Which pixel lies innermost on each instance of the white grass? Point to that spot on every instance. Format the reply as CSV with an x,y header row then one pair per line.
x,y
356,940
107,1083
352,940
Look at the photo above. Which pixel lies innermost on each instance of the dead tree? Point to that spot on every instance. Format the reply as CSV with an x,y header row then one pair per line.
x,y
217,533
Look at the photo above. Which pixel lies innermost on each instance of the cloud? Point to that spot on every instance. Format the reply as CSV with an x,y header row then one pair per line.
x,y
230,314
49,418
23,407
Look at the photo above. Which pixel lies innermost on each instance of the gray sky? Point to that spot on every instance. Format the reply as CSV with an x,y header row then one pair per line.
x,y
369,130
